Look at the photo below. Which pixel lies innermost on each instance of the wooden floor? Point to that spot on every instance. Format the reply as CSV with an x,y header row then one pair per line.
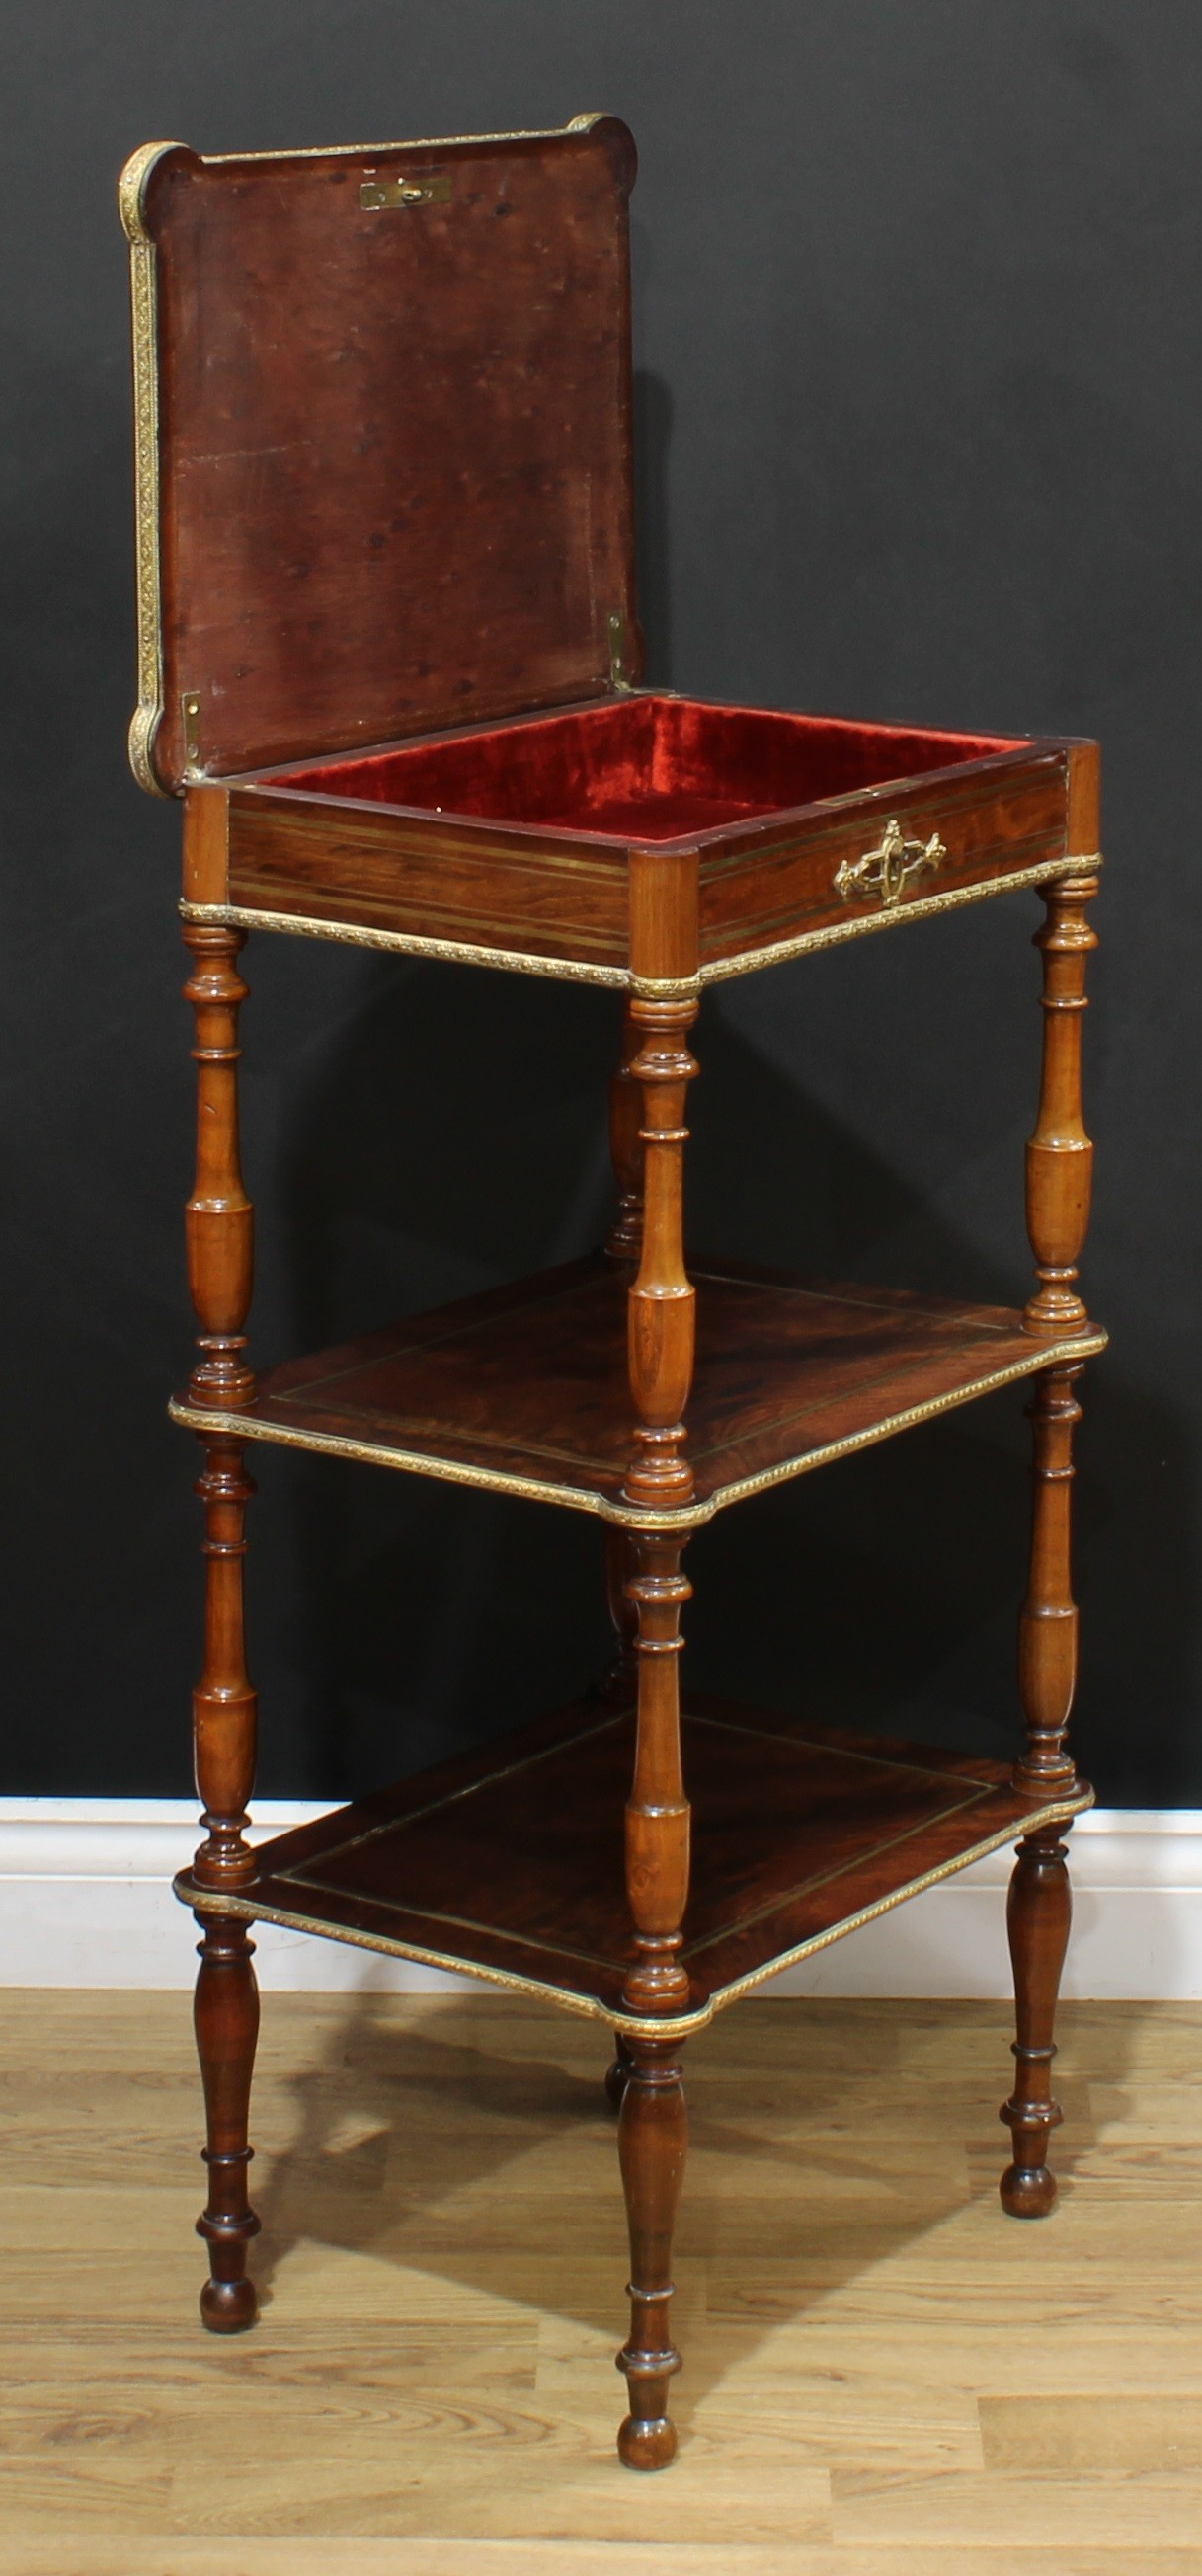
x,y
883,2375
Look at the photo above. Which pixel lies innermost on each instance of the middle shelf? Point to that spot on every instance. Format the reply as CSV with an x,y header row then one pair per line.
x,y
524,1389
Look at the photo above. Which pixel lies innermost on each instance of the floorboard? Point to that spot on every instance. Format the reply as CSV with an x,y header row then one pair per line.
x,y
884,2376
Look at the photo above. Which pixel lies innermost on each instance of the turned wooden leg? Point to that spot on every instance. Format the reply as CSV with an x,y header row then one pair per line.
x,y
618,2075
652,2141
219,1222
646,2073
626,1146
1039,1908
227,2003
226,2018
1038,1915
1059,1175
662,1301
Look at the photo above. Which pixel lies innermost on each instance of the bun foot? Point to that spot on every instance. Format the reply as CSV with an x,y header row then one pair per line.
x,y
1028,2191
647,2442
228,2307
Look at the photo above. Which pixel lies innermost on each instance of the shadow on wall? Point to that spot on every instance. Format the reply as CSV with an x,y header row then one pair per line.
x,y
453,1134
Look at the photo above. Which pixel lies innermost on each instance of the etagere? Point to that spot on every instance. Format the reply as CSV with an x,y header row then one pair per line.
x,y
389,660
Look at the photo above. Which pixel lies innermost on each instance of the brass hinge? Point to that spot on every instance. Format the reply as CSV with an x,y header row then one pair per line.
x,y
619,677
377,194
190,705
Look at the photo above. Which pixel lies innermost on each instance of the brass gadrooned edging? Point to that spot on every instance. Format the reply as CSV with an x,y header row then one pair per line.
x,y
1057,1812
919,908
244,1908
405,943
148,713
408,143
579,1498
575,970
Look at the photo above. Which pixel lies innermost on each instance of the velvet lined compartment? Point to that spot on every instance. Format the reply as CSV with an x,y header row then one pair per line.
x,y
643,768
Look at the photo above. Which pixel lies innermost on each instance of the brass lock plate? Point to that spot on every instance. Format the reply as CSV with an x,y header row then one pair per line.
x,y
377,196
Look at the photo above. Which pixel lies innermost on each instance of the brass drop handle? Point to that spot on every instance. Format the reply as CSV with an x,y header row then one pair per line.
x,y
887,870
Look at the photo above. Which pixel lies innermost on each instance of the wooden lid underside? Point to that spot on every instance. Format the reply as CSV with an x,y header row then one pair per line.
x,y
384,446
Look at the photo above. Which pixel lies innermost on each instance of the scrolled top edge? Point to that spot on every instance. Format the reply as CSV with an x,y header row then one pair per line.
x,y
131,186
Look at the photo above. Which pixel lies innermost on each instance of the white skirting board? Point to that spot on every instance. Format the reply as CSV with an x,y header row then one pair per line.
x,y
85,1900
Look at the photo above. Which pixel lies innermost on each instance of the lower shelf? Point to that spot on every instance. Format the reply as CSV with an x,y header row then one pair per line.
x,y
508,1864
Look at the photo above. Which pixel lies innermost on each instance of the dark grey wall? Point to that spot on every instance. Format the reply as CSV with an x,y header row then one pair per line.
x,y
918,318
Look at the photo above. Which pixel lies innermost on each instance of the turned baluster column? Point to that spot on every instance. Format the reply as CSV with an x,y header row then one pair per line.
x,y
657,1811
1047,1623
219,1237
626,1145
624,1243
1039,1908
652,2125
1059,1154
620,1685
219,1220
661,1304
1059,1176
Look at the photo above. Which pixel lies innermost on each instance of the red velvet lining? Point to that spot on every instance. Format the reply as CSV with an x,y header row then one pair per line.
x,y
649,769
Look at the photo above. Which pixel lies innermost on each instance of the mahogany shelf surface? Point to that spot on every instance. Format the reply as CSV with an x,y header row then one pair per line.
x,y
524,1389
508,1862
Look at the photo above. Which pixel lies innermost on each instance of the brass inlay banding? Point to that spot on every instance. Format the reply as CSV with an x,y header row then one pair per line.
x,y
408,944
457,952
919,908
579,1498
578,970
1061,1813
678,2026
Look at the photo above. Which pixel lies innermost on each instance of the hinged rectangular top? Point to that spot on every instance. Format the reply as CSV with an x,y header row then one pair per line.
x,y
383,439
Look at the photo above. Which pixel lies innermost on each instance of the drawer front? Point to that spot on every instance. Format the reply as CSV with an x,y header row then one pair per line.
x,y
931,842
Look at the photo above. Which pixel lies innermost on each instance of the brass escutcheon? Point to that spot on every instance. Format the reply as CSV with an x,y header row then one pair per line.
x,y
887,870
376,195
